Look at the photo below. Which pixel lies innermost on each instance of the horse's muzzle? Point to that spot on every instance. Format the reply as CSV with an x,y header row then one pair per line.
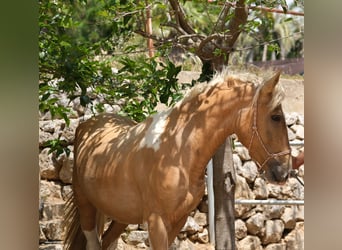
x,y
277,173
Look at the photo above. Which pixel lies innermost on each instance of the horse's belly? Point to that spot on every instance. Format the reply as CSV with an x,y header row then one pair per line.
x,y
124,210
117,203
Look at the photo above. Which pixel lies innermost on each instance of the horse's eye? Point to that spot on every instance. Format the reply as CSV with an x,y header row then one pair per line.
x,y
276,118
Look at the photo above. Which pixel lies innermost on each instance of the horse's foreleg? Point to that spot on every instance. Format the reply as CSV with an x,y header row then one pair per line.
x,y
157,232
112,233
176,227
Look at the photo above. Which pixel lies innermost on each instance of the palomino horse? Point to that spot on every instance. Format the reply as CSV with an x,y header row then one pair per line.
x,y
153,172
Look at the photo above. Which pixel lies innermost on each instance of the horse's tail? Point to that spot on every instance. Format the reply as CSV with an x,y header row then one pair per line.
x,y
74,238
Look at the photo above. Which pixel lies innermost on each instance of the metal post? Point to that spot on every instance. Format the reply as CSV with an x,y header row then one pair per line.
x,y
211,206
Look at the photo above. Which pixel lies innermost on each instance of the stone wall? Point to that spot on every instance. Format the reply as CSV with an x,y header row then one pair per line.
x,y
256,226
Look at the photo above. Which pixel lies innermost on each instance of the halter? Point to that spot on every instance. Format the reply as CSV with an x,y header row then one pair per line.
x,y
256,133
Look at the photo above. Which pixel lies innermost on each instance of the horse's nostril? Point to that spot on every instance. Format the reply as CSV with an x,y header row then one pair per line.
x,y
279,174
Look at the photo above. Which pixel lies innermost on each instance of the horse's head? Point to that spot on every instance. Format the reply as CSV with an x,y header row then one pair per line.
x,y
262,128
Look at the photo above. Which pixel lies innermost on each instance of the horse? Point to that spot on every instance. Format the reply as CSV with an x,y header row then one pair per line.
x,y
154,172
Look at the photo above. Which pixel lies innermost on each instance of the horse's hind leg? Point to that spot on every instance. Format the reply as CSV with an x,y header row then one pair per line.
x,y
112,233
87,219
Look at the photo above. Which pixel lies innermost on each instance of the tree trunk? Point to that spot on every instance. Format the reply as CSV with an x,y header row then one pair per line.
x,y
224,189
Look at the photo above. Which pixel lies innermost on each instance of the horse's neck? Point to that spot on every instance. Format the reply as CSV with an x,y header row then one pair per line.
x,y
212,120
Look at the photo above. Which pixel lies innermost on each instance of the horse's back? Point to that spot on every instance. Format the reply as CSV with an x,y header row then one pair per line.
x,y
103,122
97,136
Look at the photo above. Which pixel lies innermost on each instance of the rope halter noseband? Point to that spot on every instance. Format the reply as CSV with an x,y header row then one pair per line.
x,y
255,132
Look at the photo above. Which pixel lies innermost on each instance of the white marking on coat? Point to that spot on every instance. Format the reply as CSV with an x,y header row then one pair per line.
x,y
155,130
92,240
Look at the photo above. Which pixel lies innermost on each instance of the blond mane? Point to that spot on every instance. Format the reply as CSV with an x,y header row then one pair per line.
x,y
233,79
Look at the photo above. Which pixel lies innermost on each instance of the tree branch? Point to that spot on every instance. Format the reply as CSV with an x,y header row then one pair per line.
x,y
239,19
289,12
180,17
219,26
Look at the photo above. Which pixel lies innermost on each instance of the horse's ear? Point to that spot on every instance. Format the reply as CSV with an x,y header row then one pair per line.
x,y
269,86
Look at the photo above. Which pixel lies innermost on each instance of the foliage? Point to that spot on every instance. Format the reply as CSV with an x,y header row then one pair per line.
x,y
76,41
140,84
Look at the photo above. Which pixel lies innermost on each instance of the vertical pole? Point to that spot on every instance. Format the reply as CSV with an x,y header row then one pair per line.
x,y
211,205
224,189
149,29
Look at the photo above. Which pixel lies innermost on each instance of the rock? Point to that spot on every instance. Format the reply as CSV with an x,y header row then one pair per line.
x,y
48,130
240,229
249,170
51,247
68,133
182,236
273,211
193,236
191,226
255,223
249,213
242,191
242,153
278,191
299,213
119,244
300,119
49,166
299,131
132,227
203,237
42,237
273,231
293,189
44,137
49,190
53,210
201,219
276,246
53,230
143,226
136,237
291,135
188,245
295,239
249,242
48,126
291,118
65,174
237,161
260,189
289,218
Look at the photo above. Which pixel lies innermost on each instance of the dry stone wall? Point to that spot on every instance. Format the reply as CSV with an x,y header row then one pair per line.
x,y
274,227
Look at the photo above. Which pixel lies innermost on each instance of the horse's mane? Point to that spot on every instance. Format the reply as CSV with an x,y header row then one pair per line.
x,y
234,79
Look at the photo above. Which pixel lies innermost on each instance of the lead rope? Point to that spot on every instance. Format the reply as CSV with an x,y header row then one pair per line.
x,y
294,173
256,132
